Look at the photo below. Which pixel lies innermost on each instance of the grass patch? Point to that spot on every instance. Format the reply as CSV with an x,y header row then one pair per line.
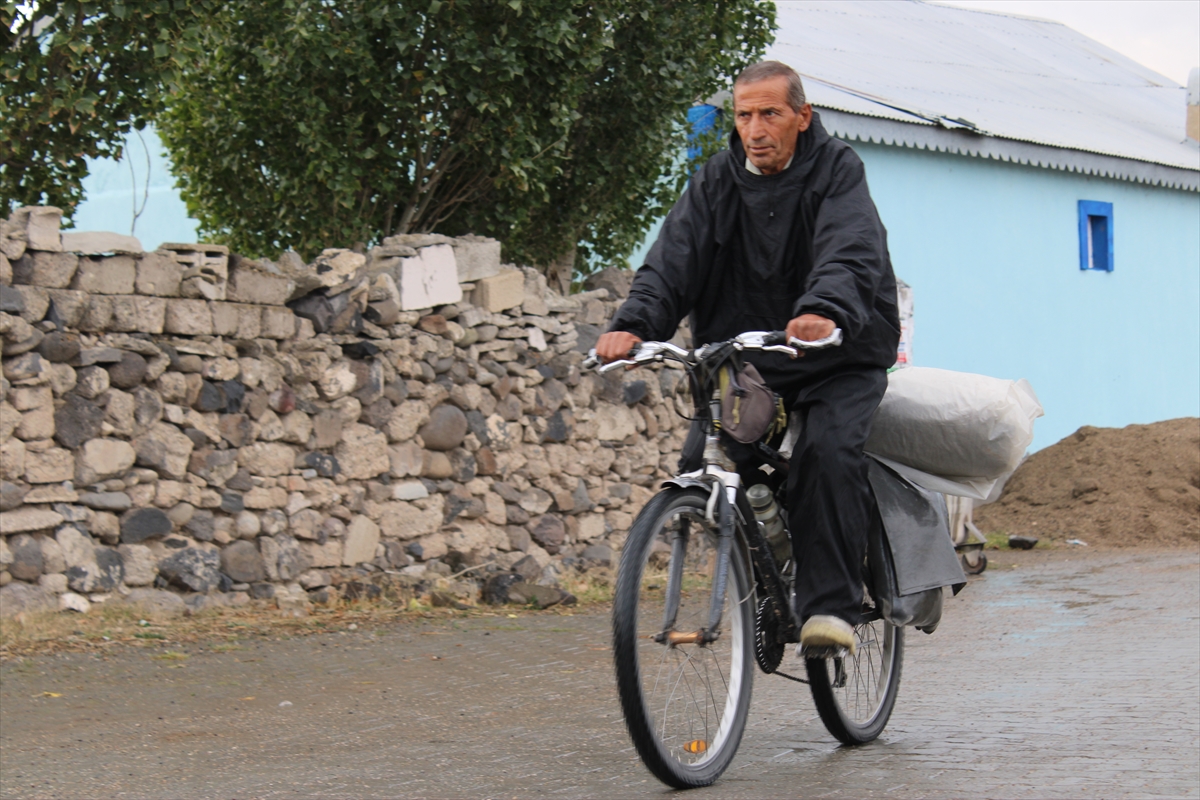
x,y
170,655
225,629
594,587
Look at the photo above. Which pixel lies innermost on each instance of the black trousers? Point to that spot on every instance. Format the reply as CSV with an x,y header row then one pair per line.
x,y
830,504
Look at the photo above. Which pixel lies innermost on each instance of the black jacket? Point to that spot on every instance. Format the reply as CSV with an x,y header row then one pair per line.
x,y
743,252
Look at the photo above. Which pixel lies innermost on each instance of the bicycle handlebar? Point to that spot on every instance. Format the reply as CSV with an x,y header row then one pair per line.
x,y
767,341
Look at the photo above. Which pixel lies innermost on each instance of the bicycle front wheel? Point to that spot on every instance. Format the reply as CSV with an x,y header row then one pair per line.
x,y
685,703
855,695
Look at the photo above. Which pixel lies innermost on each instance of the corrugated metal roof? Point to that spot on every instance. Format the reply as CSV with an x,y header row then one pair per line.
x,y
984,76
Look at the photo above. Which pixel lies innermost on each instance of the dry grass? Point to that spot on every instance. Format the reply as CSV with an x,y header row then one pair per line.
x,y
108,627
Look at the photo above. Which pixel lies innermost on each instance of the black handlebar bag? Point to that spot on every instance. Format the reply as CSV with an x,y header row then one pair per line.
x,y
909,552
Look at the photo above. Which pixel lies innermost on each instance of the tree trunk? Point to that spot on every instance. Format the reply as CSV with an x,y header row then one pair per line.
x,y
560,271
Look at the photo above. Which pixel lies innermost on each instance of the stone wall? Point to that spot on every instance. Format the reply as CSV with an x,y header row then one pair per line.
x,y
188,421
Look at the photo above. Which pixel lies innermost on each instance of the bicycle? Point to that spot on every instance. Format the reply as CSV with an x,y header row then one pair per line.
x,y
700,596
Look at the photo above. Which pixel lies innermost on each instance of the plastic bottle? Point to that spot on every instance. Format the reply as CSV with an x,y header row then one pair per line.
x,y
766,511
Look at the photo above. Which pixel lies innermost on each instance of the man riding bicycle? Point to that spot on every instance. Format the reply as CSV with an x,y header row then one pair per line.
x,y
779,232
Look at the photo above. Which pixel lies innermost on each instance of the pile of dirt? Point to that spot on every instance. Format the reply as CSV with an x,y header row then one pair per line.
x,y
1114,487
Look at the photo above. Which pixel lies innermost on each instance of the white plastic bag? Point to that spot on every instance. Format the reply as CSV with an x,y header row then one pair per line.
x,y
954,427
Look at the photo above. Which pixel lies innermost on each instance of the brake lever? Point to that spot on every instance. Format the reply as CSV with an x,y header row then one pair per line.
x,y
610,366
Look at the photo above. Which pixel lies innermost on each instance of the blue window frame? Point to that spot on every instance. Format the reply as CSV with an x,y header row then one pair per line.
x,y
1095,235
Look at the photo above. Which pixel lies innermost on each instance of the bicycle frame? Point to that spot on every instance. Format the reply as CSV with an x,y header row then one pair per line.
x,y
728,508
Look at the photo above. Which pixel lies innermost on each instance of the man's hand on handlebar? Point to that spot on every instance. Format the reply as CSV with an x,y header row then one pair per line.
x,y
810,328
615,345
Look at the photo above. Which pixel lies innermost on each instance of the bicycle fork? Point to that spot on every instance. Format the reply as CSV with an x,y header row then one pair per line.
x,y
679,543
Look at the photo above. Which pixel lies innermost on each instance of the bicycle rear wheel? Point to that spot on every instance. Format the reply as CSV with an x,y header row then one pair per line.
x,y
855,695
685,704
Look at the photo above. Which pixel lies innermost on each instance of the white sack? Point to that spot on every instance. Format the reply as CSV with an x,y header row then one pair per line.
x,y
968,429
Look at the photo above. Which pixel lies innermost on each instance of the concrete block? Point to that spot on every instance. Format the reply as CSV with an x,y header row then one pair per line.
x,y
158,274
477,257
112,275
205,269
501,291
278,322
92,243
133,313
189,318
428,279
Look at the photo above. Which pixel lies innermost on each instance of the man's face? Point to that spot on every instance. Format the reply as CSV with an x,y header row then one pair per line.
x,y
766,123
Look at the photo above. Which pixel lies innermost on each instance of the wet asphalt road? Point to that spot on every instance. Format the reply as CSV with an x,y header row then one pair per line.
x,y
1071,674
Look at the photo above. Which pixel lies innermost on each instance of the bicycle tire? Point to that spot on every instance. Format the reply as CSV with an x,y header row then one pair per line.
x,y
857,711
685,737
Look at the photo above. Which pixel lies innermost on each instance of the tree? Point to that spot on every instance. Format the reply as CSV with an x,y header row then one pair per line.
x,y
77,77
549,124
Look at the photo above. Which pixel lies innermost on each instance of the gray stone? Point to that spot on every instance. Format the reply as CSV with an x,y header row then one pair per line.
x,y
242,562
327,427
157,602
616,281
201,526
91,382
45,269
29,342
138,561
101,459
113,275
24,367
93,243
446,428
27,561
476,257
250,283
37,302
548,531
128,372
98,355
11,495
363,452
67,307
158,275
28,520
602,554
283,558
193,569
528,568
59,347
17,598
105,501
539,596
495,589
144,523
165,450
103,574
11,300
634,392
77,421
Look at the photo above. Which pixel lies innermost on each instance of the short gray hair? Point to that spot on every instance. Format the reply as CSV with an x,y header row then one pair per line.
x,y
765,70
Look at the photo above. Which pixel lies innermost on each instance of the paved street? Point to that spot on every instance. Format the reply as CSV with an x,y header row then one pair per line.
x,y
1064,674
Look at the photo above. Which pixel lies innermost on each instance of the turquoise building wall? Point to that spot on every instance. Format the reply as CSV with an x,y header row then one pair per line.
x,y
991,250
110,191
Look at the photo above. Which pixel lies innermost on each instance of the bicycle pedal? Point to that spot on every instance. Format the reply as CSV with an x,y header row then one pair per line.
x,y
822,651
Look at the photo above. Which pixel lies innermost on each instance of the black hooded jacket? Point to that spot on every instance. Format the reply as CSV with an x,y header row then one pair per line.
x,y
743,252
